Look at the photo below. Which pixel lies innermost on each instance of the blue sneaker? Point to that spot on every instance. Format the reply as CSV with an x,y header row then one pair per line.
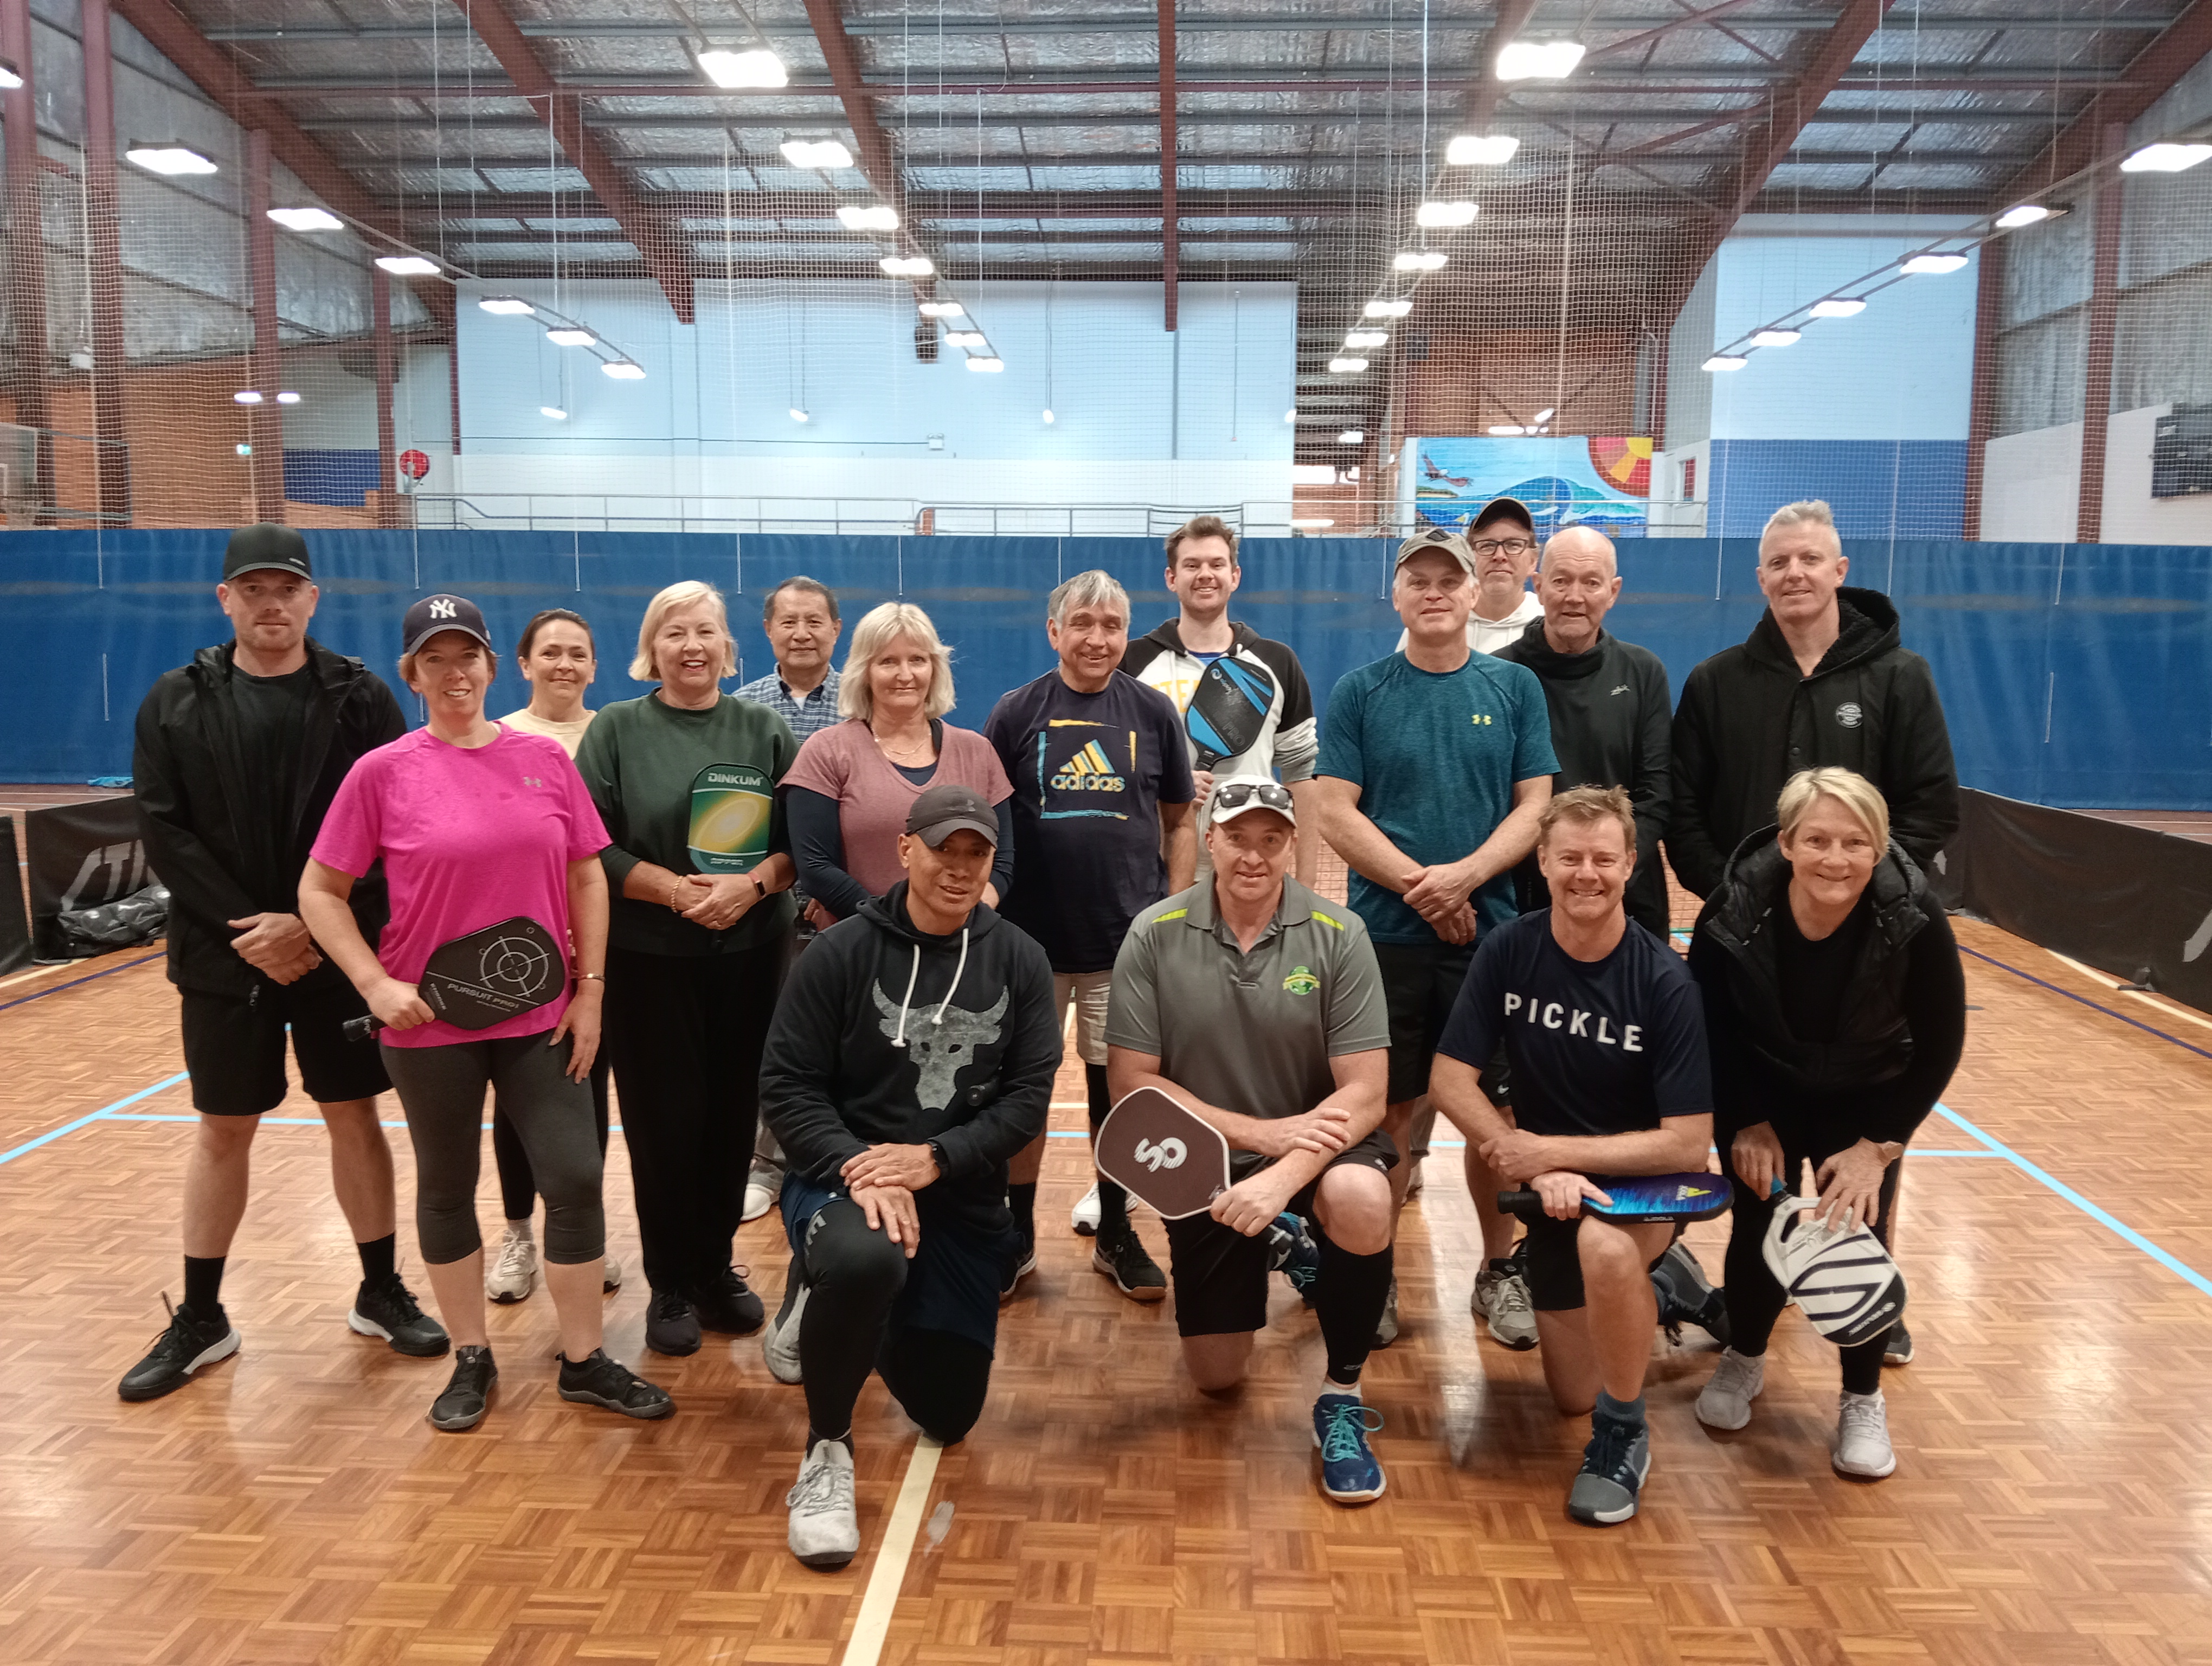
x,y
1349,1473
1293,1252
1614,1464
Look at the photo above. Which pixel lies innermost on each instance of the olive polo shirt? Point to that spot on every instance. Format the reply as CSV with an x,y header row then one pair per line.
x,y
1252,1033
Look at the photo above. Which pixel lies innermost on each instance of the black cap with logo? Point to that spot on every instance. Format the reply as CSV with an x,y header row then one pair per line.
x,y
265,548
435,613
944,810
1502,508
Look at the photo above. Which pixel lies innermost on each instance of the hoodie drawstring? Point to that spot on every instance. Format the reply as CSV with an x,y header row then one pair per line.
x,y
906,1000
956,972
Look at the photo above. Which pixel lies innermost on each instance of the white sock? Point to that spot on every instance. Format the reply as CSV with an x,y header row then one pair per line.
x,y
1330,1385
518,1229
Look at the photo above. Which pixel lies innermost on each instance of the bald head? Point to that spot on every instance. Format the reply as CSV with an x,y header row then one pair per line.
x,y
1578,584
1582,541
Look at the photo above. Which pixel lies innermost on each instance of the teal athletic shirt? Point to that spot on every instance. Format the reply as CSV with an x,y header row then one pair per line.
x,y
1435,754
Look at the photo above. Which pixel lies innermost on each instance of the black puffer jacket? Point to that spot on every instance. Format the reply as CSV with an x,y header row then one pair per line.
x,y
1749,720
1900,1026
223,850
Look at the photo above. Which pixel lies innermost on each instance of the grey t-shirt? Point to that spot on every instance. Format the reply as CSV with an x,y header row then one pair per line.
x,y
1252,1033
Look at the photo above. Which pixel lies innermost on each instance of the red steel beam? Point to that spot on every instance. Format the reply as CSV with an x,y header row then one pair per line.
x,y
1629,44
380,323
1981,409
1791,106
264,422
26,257
2171,54
104,269
877,161
2104,318
1480,107
1170,222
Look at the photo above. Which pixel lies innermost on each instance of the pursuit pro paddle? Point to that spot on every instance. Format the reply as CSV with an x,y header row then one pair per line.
x,y
1228,710
486,977
1637,1197
1164,1155
1842,1277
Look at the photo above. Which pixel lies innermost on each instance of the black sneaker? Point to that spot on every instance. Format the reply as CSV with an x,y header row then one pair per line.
x,y
724,1303
1122,1257
1686,1296
468,1390
600,1380
670,1326
1025,1263
390,1310
189,1343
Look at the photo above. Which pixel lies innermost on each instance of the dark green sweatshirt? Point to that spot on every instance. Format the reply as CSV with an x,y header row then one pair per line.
x,y
695,791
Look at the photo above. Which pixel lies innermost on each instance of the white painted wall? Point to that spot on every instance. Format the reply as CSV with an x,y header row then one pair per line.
x,y
1672,516
2132,516
2031,483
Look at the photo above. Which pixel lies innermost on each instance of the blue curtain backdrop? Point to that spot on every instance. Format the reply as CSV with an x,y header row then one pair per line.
x,y
2072,674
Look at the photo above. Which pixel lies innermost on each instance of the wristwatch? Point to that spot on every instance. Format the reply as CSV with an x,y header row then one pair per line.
x,y
937,1156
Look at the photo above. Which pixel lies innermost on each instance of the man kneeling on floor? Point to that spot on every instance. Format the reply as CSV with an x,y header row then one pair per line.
x,y
911,1055
1606,1038
1258,1006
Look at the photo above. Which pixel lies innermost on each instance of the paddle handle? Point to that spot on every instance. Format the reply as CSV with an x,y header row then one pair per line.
x,y
363,1028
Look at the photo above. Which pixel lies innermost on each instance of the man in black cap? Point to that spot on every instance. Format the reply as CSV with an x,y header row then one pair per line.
x,y
238,756
911,1055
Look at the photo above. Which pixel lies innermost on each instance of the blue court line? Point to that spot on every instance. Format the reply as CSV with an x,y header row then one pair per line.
x,y
103,1112
2093,1006
2102,1217
56,988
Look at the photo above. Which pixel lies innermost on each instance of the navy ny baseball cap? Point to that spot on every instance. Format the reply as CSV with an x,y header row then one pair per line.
x,y
435,613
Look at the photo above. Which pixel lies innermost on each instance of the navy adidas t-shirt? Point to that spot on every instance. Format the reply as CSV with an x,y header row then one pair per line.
x,y
1597,1047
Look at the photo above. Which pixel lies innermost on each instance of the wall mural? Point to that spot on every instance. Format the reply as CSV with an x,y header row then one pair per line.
x,y
1602,480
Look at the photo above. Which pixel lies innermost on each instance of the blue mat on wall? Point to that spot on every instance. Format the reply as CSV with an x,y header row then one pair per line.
x,y
2073,674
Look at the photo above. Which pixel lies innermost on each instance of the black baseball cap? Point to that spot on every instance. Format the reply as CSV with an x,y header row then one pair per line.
x,y
266,547
1502,508
944,810
435,613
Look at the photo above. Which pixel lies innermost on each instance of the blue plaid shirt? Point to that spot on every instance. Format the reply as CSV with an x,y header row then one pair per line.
x,y
818,710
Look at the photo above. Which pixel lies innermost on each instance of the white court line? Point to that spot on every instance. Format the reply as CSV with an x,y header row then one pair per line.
x,y
889,1574
2156,1002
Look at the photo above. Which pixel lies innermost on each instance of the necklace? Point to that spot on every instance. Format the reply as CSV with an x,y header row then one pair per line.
x,y
891,751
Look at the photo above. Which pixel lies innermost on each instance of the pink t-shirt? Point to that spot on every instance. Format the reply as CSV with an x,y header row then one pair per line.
x,y
470,836
843,762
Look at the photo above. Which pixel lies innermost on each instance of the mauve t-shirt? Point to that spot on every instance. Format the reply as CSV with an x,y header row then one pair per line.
x,y
843,762
470,836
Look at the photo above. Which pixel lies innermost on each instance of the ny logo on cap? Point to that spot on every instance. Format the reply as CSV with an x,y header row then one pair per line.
x,y
442,608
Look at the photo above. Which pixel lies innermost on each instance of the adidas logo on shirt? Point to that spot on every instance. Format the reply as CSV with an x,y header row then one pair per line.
x,y
1591,1026
1089,771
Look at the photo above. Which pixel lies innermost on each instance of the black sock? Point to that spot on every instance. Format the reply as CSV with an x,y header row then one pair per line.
x,y
204,1285
379,1260
1113,1199
1021,1199
1349,1295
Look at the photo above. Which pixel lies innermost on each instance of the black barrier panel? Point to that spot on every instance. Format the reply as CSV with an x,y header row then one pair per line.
x,y
14,929
2120,898
81,855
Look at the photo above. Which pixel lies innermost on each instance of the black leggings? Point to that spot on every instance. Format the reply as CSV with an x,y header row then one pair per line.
x,y
855,1274
518,1188
1755,1298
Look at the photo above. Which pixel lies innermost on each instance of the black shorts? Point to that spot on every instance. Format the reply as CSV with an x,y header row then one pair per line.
x,y
1555,1264
235,1049
1221,1276
1420,981
954,1282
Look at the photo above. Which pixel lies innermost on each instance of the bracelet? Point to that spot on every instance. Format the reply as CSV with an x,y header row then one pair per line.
x,y
674,889
591,977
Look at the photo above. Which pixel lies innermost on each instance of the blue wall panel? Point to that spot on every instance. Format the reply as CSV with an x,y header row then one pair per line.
x,y
1878,489
2071,674
326,475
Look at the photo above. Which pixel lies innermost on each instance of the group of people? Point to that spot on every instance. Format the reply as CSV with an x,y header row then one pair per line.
x,y
827,945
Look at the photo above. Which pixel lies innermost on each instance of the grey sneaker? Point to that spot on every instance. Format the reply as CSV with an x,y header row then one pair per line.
x,y
1898,1350
514,1272
779,1345
825,1525
1386,1329
763,1186
1686,1296
1725,1401
1614,1465
1863,1447
1501,1297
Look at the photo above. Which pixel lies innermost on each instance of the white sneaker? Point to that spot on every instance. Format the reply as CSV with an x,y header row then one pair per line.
x,y
514,1272
1084,1217
1725,1401
610,1276
825,1527
1862,1447
761,1187
1501,1297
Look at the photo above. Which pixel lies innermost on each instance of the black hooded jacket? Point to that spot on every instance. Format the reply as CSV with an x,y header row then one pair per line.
x,y
887,1036
1749,720
1899,1026
223,850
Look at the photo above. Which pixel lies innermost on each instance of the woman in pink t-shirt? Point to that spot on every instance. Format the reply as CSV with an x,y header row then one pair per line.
x,y
476,825
847,791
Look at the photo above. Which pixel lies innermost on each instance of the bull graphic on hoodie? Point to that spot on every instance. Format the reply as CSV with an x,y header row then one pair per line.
x,y
940,1042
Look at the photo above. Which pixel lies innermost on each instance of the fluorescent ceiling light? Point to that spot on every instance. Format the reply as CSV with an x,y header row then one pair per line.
x,y
986,362
1347,367
1049,418
167,157
1389,308
1291,414
623,370
307,219
1481,150
246,395
2026,215
506,305
287,397
1725,361
1546,414
1367,337
2165,158
1419,260
408,266
1351,437
1314,525
916,265
554,411
943,309
815,153
1447,213
868,216
1506,430
9,81
754,69
1931,265
800,415
1538,60
568,335
1777,337
965,338
1837,307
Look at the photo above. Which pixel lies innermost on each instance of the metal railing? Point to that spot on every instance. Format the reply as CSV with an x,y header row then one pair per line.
x,y
609,512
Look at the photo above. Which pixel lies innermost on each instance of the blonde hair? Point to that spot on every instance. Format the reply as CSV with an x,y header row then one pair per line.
x,y
1847,787
682,594
1586,807
878,628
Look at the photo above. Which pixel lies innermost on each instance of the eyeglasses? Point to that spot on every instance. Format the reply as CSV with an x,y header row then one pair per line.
x,y
1236,794
1511,547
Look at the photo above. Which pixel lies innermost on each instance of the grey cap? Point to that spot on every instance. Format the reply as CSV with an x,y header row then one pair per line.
x,y
1441,540
941,812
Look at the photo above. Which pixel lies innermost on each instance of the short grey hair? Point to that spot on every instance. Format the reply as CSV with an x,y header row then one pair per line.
x,y
1807,512
1096,588
878,629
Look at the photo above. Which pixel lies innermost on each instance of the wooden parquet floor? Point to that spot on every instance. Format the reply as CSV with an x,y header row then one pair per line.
x,y
292,1505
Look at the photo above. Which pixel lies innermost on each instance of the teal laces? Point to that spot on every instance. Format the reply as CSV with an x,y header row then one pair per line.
x,y
1344,1436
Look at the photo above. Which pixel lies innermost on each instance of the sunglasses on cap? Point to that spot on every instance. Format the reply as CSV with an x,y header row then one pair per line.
x,y
1235,795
